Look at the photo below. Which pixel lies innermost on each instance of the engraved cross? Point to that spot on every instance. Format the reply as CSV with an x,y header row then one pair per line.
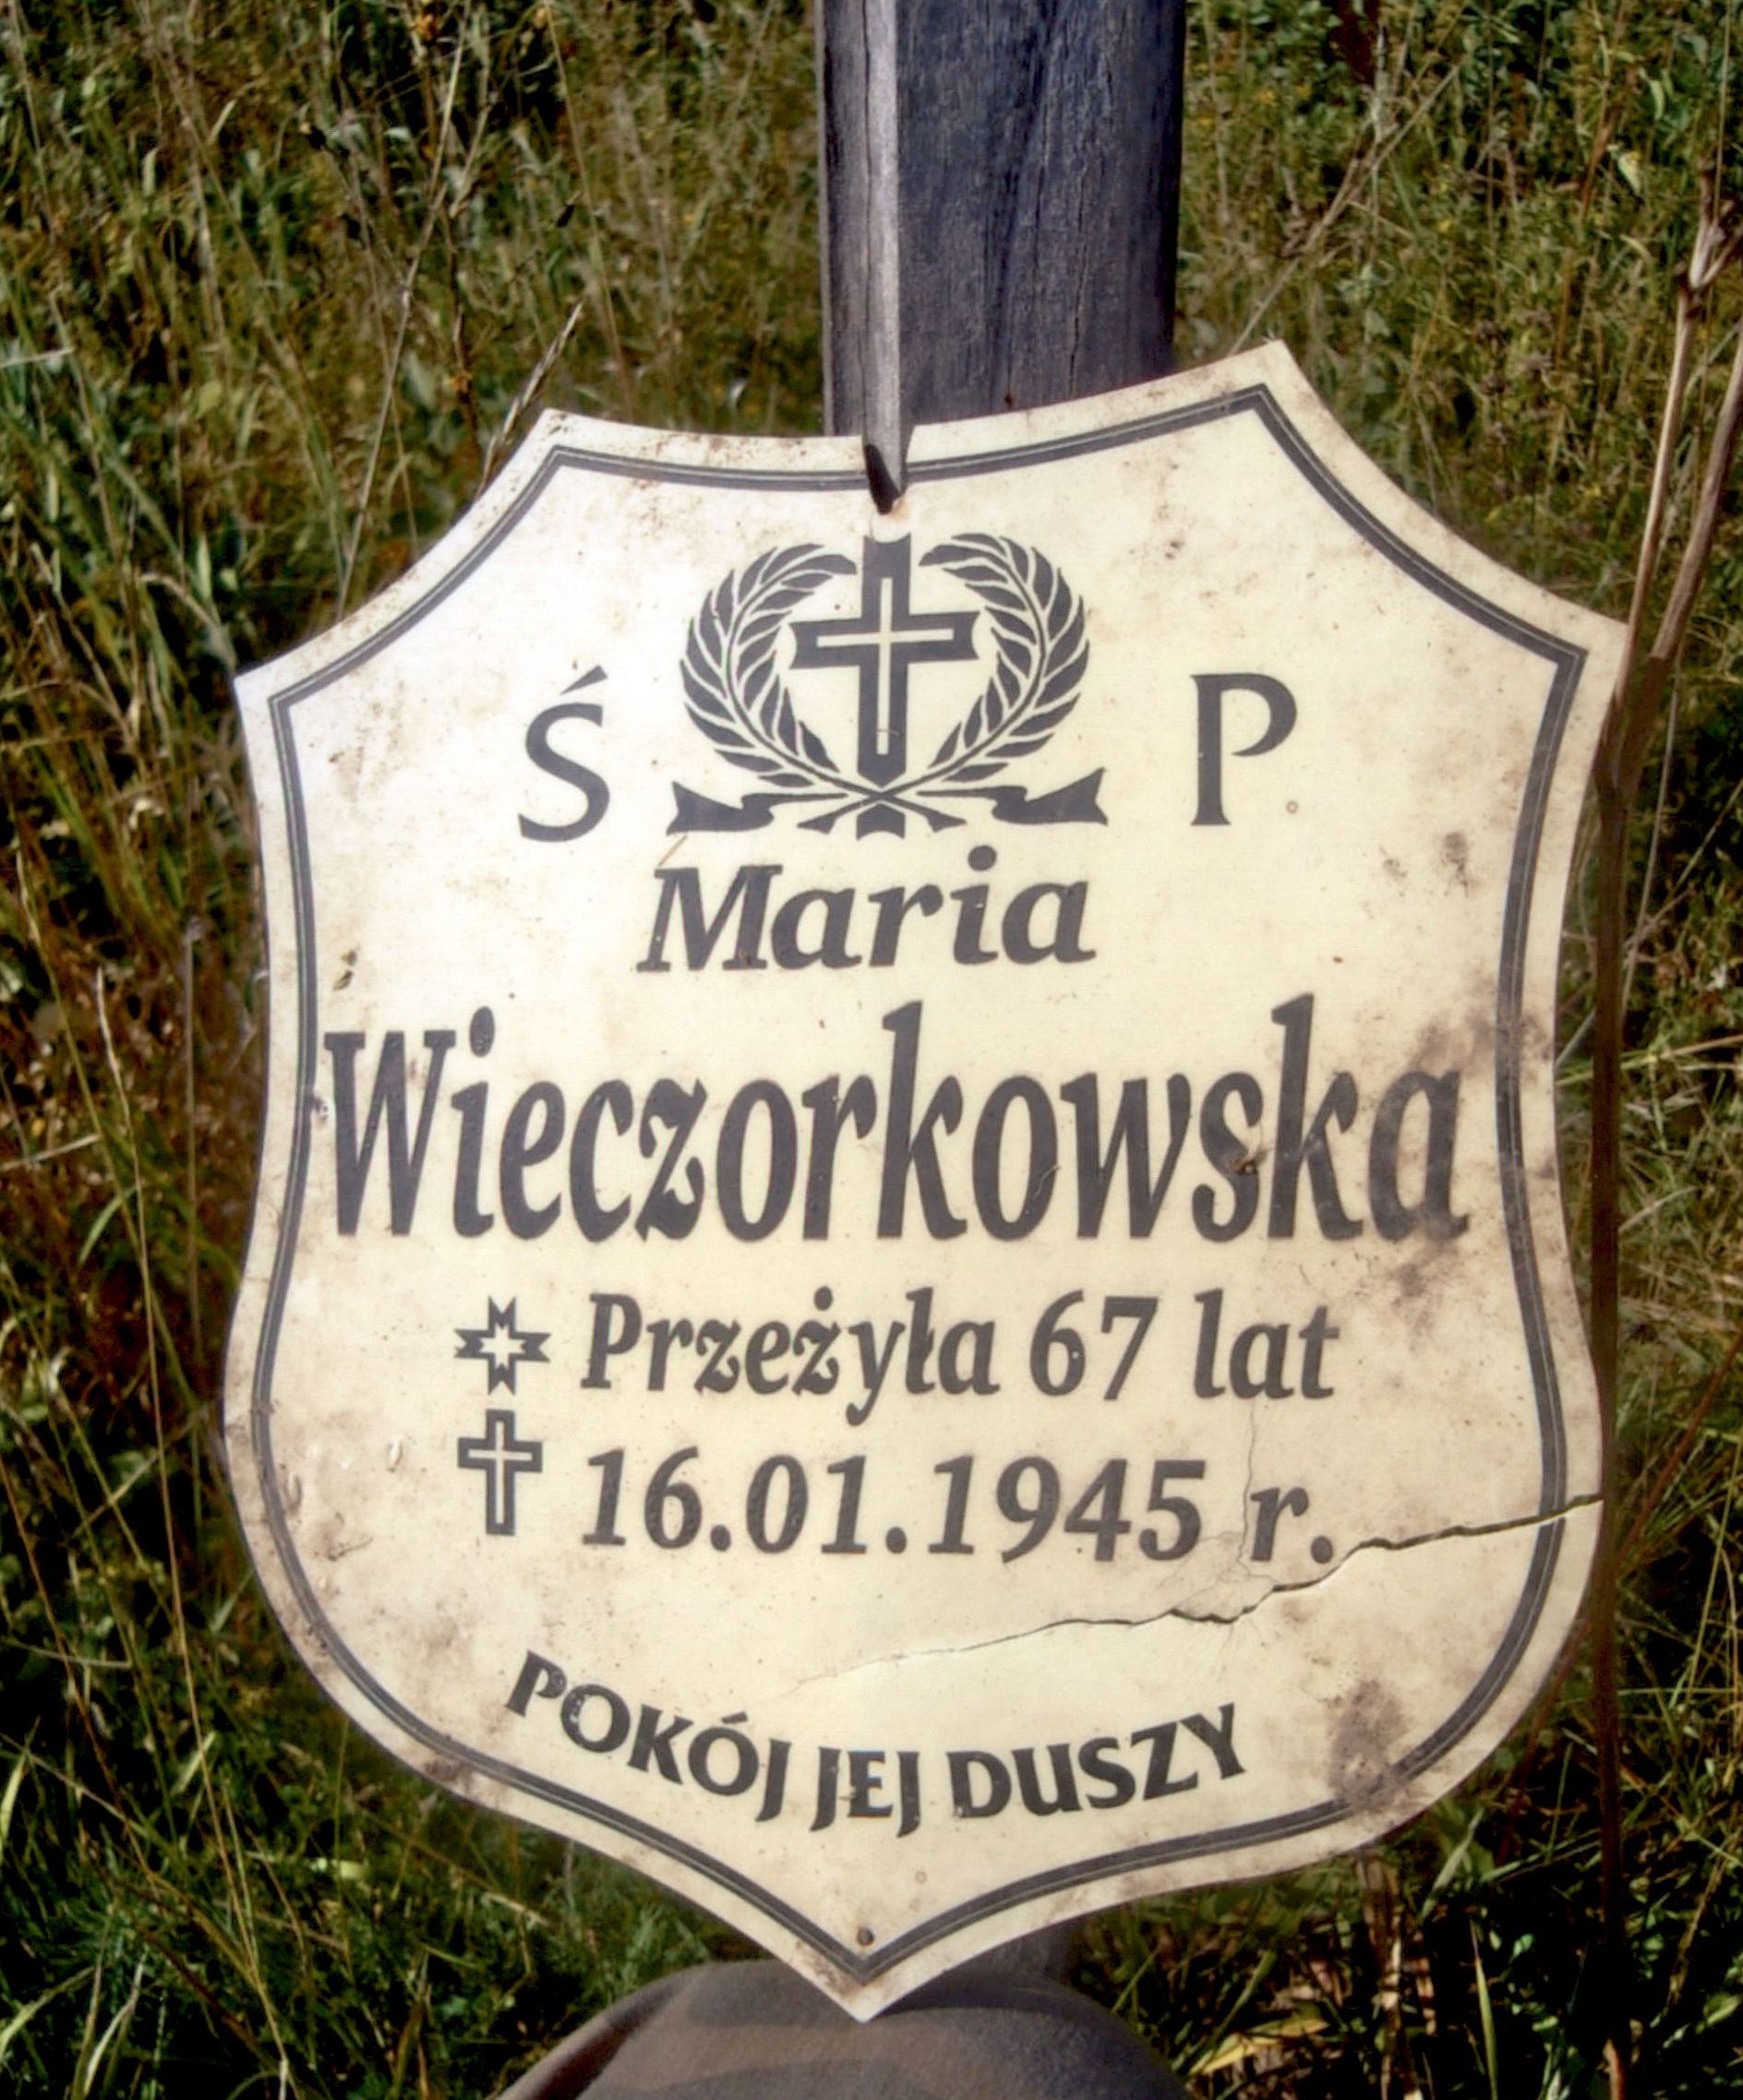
x,y
499,1456
881,640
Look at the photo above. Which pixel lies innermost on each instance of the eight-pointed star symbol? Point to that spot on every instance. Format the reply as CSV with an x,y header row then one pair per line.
x,y
503,1345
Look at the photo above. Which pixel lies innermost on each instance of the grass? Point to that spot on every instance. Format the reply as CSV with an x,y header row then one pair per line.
x,y
271,281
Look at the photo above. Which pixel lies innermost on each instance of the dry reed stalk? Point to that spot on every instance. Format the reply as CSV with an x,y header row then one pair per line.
x,y
1635,707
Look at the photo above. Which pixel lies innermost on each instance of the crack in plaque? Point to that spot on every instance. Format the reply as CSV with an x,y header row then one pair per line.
x,y
1498,1529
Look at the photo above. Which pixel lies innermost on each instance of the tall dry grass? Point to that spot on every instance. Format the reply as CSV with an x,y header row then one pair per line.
x,y
272,282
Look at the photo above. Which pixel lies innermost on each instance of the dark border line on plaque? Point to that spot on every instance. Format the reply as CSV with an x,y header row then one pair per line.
x,y
1568,661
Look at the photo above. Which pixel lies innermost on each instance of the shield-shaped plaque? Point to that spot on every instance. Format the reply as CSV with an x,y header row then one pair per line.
x,y
910,1266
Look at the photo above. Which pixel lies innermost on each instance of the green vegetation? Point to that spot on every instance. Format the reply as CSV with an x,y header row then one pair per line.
x,y
271,279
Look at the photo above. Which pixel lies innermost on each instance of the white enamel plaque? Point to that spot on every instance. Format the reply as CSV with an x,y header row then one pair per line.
x,y
909,1267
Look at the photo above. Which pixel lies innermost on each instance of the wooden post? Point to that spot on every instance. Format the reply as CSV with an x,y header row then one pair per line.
x,y
1001,210
1001,205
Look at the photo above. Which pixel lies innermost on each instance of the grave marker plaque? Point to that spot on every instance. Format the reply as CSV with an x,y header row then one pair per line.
x,y
909,1267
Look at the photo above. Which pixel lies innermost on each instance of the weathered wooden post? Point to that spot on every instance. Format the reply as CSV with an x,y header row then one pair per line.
x,y
1001,205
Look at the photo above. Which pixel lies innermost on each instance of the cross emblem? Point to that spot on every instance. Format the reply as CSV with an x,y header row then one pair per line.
x,y
499,1457
879,641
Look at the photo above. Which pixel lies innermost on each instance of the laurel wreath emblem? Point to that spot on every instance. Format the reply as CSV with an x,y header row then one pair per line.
x,y
737,698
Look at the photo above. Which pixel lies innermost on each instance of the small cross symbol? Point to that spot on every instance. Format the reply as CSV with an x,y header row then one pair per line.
x,y
498,1457
881,640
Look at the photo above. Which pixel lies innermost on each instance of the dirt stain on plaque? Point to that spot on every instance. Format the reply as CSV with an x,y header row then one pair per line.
x,y
331,1543
1455,852
1370,1722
